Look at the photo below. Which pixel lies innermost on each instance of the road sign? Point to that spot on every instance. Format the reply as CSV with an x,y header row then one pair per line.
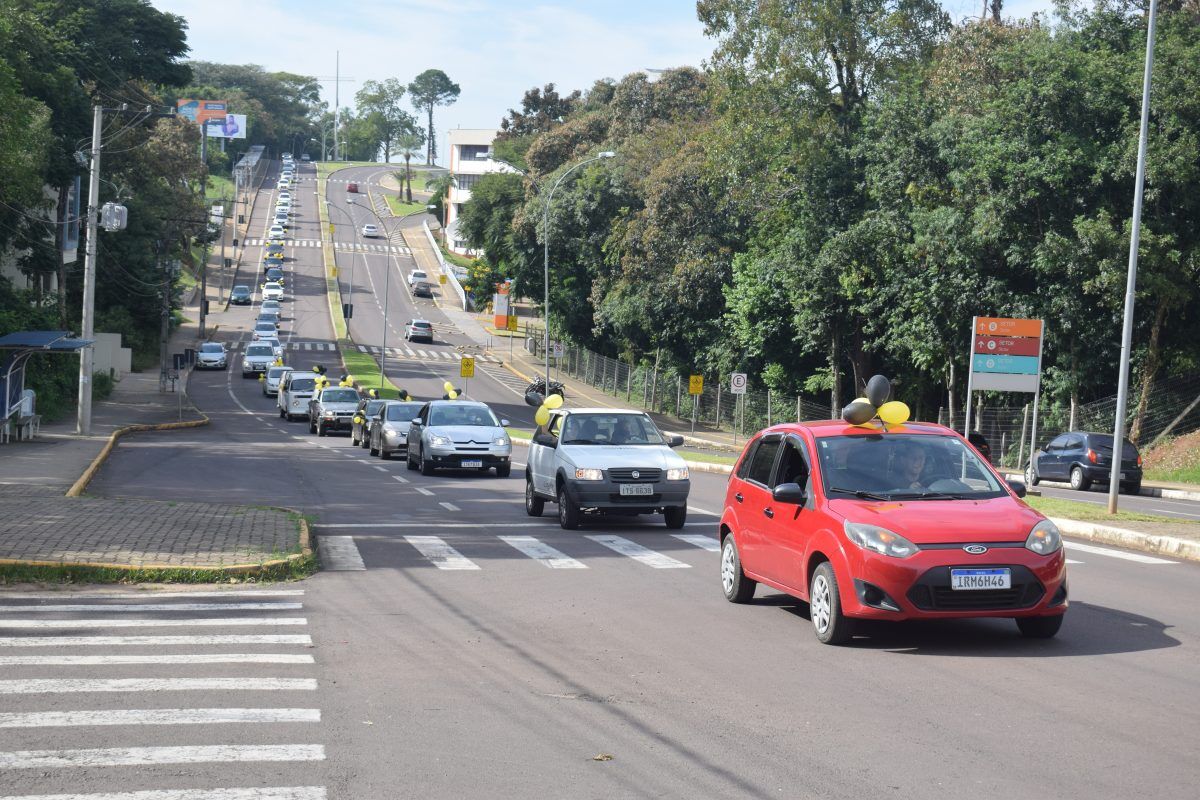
x,y
442,279
1006,355
696,384
511,323
737,383
557,350
1006,345
466,367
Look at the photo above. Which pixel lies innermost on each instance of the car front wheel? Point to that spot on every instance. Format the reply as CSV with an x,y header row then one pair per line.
x,y
737,587
675,517
568,512
503,470
825,607
426,466
1040,627
374,450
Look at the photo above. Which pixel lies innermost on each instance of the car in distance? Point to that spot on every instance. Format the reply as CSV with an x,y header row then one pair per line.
x,y
304,157
332,409
273,305
274,251
274,377
241,296
423,289
352,188
388,431
458,434
370,230
419,330
270,315
272,291
212,355
609,461
265,329
275,275
417,276
1084,458
276,231
360,424
258,358
887,525
295,390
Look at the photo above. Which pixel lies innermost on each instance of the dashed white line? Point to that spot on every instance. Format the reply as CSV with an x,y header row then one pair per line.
x,y
152,641
177,658
339,553
255,793
148,623
144,593
154,607
449,506
699,540
1105,551
423,491
400,478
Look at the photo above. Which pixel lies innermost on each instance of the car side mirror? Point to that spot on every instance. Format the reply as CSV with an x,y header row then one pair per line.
x,y
545,440
789,493
674,440
1017,486
416,422
503,423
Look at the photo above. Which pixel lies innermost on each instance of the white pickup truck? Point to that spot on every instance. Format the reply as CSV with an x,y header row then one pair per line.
x,y
605,461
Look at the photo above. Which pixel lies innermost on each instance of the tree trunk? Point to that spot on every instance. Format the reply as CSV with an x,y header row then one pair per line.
x,y
407,178
429,137
1148,372
835,374
1074,386
60,231
950,397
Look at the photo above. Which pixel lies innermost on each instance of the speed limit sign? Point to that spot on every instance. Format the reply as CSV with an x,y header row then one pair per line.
x,y
737,383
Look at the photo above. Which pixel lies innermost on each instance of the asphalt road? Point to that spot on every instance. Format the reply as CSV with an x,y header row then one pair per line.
x,y
480,671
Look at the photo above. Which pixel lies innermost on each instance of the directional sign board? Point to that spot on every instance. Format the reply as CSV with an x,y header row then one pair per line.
x,y
737,383
1006,354
696,384
466,367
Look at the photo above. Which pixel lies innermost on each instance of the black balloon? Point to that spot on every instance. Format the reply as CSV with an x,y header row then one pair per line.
x,y
534,399
879,390
858,413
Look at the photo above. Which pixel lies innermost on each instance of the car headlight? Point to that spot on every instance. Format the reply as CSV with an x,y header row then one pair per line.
x,y
677,474
500,441
589,474
329,415
391,433
1044,539
879,540
439,441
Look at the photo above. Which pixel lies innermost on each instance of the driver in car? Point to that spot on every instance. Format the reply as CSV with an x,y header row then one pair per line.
x,y
908,464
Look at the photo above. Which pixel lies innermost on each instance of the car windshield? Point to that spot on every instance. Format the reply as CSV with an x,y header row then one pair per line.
x,y
302,384
260,350
272,287
418,273
403,412
610,429
264,326
456,414
339,396
277,372
241,290
211,347
904,466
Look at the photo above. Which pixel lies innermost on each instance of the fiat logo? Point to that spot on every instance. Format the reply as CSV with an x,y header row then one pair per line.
x,y
975,549
636,474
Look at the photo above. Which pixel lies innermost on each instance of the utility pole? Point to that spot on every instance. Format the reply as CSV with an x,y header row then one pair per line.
x,y
204,202
164,329
337,111
83,423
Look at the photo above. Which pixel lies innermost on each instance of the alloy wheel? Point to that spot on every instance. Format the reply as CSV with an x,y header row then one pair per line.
x,y
728,566
819,604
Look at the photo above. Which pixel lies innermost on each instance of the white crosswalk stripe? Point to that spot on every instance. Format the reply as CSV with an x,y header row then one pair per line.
x,y
49,702
638,553
700,540
442,555
543,552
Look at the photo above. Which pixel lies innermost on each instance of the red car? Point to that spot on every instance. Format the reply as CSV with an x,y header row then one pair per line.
x,y
904,523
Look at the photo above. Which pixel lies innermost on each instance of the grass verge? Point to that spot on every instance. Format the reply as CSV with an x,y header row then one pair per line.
x,y
23,573
1188,474
364,368
327,168
400,208
331,282
517,433
1090,512
707,458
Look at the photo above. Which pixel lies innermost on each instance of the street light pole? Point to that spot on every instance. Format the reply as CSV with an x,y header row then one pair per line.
x,y
1114,478
546,265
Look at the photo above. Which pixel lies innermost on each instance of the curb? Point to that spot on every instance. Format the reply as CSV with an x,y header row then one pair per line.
x,y
81,484
1147,491
1134,540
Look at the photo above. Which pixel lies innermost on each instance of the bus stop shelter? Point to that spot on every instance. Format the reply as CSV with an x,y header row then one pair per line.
x,y
17,415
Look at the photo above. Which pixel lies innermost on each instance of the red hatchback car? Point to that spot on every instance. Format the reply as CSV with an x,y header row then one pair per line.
x,y
906,523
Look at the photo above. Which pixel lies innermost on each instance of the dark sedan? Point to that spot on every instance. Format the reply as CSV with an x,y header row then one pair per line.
x,y
1082,459
241,296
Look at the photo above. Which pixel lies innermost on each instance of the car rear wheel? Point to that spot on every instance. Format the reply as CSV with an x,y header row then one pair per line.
x,y
738,588
426,465
1078,482
503,470
1040,627
534,505
1134,488
354,441
282,414
384,454
568,512
825,607
1031,476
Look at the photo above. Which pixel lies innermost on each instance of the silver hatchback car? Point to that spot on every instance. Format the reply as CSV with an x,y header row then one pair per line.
x,y
458,434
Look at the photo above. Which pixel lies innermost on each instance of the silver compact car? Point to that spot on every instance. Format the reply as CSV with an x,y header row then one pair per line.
x,y
270,386
388,431
458,434
258,358
212,355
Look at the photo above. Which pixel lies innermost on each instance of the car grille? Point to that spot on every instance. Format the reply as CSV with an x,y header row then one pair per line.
x,y
644,475
932,592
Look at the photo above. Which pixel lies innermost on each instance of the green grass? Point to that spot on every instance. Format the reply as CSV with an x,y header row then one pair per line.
x,y
21,573
365,369
517,433
1187,474
456,259
400,208
1090,512
218,187
709,458
327,168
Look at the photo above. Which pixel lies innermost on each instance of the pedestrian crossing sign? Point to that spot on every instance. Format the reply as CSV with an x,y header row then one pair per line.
x,y
466,367
442,280
695,384
512,323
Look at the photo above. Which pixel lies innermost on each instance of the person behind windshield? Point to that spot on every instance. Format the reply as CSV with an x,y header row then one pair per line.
x,y
626,431
908,464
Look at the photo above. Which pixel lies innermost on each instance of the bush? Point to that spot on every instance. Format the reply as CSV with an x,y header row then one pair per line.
x,y
102,385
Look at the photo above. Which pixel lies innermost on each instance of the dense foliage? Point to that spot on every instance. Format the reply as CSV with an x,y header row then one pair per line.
x,y
849,182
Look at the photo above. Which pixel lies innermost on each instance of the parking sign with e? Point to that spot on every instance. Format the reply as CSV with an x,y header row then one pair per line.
x,y
737,383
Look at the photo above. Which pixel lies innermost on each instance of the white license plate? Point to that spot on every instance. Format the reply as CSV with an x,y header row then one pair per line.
x,y
469,464
636,489
974,579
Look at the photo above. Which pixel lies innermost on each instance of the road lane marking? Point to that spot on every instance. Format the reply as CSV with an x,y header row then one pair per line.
x,y
152,641
156,593
638,553
543,552
177,658
449,506
142,756
156,716
400,478
154,607
700,540
423,491
256,793
339,553
696,510
1072,561
442,555
69,685
148,623
1105,551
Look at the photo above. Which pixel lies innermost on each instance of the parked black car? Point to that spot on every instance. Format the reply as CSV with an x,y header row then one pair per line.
x,y
1083,459
241,296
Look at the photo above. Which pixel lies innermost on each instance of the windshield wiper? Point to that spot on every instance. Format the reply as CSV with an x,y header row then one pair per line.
x,y
928,496
578,441
864,495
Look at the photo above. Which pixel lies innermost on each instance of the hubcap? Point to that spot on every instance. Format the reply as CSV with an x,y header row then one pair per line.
x,y
819,604
728,570
562,507
528,494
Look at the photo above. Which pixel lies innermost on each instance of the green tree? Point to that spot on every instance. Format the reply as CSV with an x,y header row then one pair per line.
x,y
382,100
409,146
432,88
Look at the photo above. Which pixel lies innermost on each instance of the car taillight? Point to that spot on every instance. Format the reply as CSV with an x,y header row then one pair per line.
x,y
1139,460
1091,455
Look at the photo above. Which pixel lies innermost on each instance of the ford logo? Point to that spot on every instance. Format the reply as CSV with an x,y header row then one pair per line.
x,y
975,549
636,474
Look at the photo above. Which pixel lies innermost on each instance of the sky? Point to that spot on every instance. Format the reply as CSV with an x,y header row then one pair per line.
x,y
494,49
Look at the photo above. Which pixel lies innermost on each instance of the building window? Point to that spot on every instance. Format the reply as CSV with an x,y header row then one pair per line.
x,y
466,182
473,152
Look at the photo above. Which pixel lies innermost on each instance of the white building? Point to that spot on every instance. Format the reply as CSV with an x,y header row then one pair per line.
x,y
469,148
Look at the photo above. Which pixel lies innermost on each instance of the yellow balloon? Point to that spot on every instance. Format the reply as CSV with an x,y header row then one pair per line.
x,y
453,395
448,386
542,416
894,413
553,401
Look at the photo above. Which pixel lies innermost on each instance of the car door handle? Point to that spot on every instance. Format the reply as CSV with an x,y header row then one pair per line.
x,y
738,497
770,513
